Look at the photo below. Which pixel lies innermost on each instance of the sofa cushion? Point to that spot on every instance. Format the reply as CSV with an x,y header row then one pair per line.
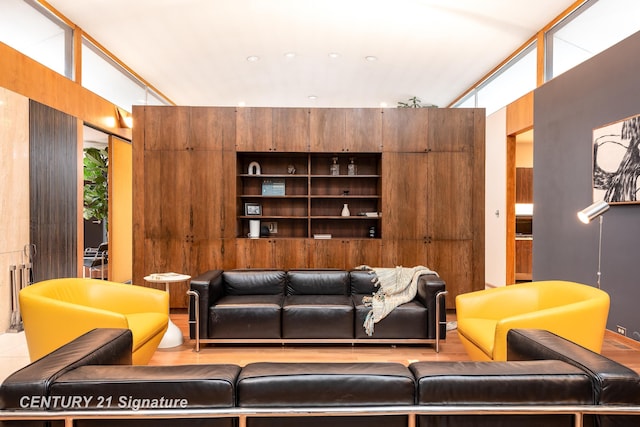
x,y
254,282
516,383
249,316
325,384
149,387
317,316
317,282
362,282
408,321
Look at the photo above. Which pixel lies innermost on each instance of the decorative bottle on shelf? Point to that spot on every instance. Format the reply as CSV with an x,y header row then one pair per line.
x,y
345,210
334,169
352,169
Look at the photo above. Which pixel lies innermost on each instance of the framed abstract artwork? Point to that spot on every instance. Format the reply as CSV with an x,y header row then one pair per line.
x,y
616,162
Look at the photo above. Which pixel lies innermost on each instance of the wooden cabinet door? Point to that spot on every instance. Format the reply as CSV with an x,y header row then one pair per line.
x,y
282,254
405,130
166,128
254,129
290,130
329,253
406,253
167,201
449,195
344,254
404,193
363,252
454,262
454,129
212,128
363,128
272,129
327,127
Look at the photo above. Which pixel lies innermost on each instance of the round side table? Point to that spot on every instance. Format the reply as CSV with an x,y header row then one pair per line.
x,y
173,336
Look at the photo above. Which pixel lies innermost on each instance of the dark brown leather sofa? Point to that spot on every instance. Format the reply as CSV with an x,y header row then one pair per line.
x,y
312,306
550,382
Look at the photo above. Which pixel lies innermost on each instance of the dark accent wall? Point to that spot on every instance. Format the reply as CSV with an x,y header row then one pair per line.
x,y
602,90
53,191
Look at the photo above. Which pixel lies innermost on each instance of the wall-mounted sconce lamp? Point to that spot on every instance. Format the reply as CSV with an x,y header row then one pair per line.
x,y
587,215
124,119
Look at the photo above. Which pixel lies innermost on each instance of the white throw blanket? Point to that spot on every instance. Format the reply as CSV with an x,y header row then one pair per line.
x,y
396,286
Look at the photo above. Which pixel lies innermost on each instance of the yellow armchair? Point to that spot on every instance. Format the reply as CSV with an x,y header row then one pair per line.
x,y
572,310
57,311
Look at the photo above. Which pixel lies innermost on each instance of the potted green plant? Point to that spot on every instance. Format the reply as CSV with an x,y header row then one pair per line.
x,y
96,193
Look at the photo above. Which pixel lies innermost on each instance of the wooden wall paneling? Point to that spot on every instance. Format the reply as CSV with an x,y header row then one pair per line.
x,y
120,210
290,129
254,129
524,185
327,129
478,196
27,77
139,192
53,189
363,128
405,130
520,114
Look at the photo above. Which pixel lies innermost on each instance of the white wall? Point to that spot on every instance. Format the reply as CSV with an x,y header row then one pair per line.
x,y
496,199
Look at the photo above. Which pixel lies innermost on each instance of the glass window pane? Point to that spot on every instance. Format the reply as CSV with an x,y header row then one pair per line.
x,y
469,101
38,34
594,27
104,77
514,80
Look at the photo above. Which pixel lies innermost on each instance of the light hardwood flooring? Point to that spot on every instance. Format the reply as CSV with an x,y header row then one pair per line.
x,y
623,350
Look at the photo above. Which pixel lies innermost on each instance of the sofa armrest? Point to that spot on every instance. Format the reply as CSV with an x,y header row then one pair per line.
x,y
429,287
613,383
100,346
207,288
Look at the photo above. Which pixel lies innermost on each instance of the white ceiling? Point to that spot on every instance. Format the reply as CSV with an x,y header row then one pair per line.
x,y
195,51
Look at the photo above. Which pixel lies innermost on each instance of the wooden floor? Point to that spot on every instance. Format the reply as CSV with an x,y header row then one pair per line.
x,y
623,350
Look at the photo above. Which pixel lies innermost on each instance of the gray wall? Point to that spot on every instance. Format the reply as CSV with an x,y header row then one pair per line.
x,y
602,90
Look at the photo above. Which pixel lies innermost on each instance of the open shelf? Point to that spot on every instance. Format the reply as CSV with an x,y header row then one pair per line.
x,y
310,199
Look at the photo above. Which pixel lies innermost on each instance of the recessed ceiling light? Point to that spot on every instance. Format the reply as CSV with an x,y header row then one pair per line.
x,y
313,97
253,58
241,104
371,58
334,55
383,104
290,55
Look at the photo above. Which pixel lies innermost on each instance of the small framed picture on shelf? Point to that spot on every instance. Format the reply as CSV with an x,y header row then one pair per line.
x,y
252,209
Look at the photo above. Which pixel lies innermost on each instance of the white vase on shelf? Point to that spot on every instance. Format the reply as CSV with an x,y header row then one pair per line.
x,y
345,210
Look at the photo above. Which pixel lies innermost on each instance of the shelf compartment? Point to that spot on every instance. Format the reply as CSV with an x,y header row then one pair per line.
x,y
345,227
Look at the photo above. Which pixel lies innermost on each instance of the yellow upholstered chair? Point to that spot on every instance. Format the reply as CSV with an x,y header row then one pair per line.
x,y
56,311
572,310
